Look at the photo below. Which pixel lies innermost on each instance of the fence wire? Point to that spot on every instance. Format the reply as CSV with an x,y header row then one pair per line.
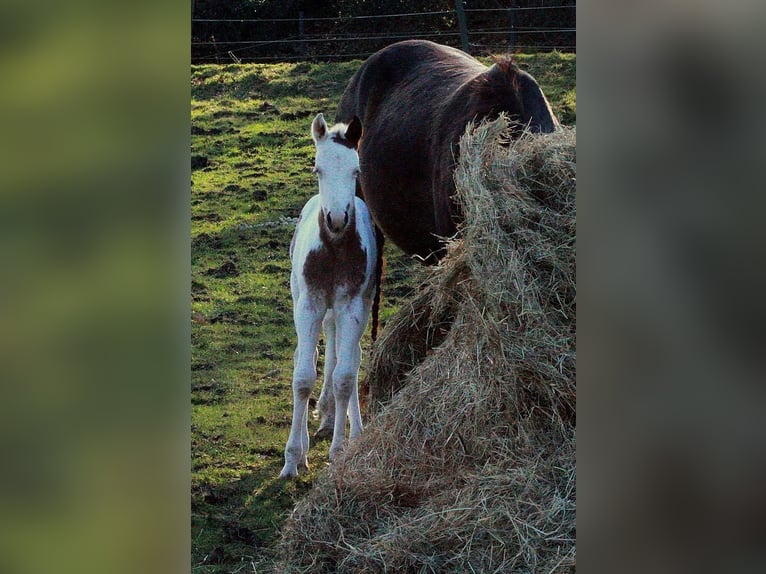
x,y
305,44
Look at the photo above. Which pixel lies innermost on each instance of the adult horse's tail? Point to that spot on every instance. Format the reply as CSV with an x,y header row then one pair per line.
x,y
380,240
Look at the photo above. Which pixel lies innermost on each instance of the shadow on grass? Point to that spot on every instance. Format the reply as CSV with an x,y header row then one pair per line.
x,y
237,522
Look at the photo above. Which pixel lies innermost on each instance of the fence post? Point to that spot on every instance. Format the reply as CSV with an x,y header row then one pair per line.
x,y
301,34
511,26
462,25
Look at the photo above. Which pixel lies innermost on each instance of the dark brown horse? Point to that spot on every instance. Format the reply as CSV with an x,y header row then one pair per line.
x,y
414,99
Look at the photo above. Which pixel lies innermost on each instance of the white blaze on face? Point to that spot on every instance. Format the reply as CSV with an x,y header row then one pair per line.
x,y
337,166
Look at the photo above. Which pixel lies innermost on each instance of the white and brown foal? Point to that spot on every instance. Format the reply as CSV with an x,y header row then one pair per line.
x,y
333,255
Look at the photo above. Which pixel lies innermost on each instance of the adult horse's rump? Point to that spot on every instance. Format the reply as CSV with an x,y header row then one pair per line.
x,y
414,99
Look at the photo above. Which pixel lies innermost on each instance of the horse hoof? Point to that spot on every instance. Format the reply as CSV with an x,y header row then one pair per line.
x,y
288,472
323,433
335,452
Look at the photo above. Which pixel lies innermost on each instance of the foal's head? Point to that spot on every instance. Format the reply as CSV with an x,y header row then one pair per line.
x,y
337,165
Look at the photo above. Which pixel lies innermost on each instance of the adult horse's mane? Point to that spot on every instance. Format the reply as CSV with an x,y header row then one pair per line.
x,y
505,63
504,69
490,91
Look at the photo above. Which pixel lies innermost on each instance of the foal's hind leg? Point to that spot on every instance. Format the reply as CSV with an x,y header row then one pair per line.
x,y
326,403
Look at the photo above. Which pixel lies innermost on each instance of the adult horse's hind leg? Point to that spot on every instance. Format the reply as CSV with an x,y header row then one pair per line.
x,y
326,403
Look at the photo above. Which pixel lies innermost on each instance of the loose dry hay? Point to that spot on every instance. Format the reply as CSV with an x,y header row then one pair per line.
x,y
469,464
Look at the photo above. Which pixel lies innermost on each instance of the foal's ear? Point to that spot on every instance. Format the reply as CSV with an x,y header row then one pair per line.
x,y
319,128
354,131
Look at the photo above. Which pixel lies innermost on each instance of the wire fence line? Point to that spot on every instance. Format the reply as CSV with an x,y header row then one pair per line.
x,y
360,55
489,30
376,37
379,16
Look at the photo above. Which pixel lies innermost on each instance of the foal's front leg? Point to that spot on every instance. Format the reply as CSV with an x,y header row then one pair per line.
x,y
350,325
326,403
307,325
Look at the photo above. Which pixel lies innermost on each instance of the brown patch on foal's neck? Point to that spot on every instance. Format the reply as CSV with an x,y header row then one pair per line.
x,y
340,261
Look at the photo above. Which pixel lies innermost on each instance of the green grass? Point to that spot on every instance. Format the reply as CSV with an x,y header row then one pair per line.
x,y
252,157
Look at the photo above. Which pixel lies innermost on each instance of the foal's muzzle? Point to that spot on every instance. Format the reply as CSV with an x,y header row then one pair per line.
x,y
336,221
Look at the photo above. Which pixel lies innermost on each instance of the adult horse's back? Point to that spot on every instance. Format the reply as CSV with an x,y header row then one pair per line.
x,y
414,99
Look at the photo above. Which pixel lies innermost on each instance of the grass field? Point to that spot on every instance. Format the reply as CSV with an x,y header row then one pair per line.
x,y
251,174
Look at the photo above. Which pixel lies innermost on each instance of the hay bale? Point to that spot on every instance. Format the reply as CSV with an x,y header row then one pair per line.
x,y
421,324
469,463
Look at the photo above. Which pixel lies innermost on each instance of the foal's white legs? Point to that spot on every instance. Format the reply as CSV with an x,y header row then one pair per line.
x,y
307,325
326,403
350,323
340,396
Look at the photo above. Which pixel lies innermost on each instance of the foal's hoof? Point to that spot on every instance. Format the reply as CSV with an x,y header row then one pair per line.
x,y
335,452
323,433
288,472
